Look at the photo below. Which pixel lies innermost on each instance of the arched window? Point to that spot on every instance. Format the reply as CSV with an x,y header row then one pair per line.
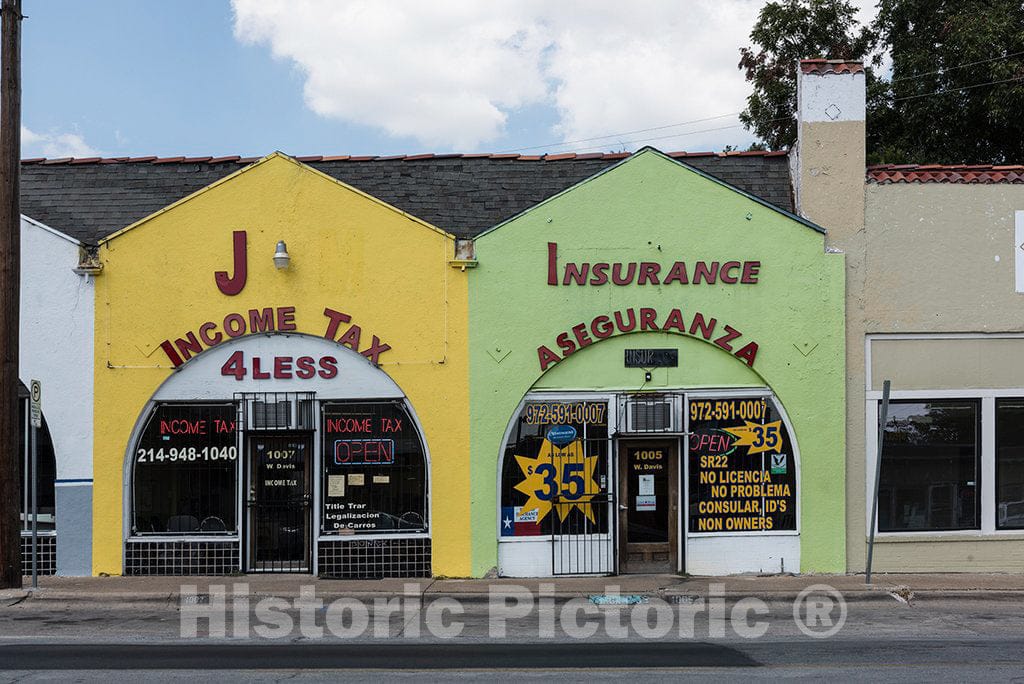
x,y
743,469
47,475
555,475
185,471
374,470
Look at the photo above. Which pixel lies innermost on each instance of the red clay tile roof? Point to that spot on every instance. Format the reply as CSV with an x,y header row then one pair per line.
x,y
884,174
820,67
407,157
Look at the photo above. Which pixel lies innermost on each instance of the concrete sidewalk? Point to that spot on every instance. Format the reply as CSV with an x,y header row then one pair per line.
x,y
771,587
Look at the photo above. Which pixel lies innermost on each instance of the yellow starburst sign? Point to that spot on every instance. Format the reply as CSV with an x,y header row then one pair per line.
x,y
767,437
562,472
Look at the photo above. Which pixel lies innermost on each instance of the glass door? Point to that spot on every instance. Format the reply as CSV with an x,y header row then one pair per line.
x,y
279,503
648,506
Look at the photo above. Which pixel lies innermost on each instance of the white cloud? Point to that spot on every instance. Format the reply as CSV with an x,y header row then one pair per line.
x,y
646,65
55,145
445,73
449,74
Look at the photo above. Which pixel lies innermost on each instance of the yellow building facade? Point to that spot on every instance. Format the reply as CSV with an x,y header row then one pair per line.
x,y
281,341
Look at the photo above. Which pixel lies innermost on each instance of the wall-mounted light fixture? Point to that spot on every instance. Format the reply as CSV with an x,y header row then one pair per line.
x,y
281,257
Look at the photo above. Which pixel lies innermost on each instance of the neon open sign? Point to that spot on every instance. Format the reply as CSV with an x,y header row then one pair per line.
x,y
364,452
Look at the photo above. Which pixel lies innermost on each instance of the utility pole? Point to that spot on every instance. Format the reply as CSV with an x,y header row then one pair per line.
x,y
10,292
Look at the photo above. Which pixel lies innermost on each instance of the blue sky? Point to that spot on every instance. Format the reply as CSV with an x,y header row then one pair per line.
x,y
140,77
220,77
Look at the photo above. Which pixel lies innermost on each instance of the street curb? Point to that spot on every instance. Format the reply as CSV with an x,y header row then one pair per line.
x,y
10,597
174,599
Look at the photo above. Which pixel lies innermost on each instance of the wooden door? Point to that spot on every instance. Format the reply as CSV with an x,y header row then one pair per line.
x,y
648,506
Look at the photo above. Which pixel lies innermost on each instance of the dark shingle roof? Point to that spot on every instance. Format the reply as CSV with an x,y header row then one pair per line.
x,y
463,194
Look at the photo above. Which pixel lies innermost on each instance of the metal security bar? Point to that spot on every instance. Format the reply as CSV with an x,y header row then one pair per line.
x,y
276,411
650,414
581,546
277,430
47,554
375,558
279,502
583,511
191,557
184,471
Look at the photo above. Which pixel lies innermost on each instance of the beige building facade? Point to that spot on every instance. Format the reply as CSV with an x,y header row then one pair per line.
x,y
935,305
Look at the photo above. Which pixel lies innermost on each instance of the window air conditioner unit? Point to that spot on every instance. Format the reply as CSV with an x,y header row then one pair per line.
x,y
280,412
651,413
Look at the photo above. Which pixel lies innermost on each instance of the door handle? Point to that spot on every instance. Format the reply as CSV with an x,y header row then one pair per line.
x,y
623,507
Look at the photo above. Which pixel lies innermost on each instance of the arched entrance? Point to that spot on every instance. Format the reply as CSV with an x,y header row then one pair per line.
x,y
44,515
278,453
695,470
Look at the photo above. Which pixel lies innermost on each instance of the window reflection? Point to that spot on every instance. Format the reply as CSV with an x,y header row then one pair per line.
x,y
185,471
1009,464
930,472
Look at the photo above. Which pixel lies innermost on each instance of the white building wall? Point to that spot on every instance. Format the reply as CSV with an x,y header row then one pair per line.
x,y
739,554
56,348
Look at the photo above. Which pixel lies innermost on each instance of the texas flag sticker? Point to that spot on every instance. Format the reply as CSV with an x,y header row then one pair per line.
x,y
514,523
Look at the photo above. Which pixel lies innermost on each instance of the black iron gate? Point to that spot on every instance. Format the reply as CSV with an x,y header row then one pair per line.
x,y
583,511
279,503
278,431
579,545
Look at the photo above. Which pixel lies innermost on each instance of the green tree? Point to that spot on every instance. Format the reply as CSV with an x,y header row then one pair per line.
x,y
956,94
785,32
754,147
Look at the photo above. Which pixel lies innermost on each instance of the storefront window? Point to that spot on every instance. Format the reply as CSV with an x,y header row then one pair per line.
x,y
742,467
375,471
186,470
1010,464
930,466
555,474
47,466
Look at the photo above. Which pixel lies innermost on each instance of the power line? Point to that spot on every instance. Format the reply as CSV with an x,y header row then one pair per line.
x,y
959,66
616,135
679,135
953,90
723,116
783,118
675,135
722,128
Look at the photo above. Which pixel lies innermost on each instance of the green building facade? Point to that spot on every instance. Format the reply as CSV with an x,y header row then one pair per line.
x,y
656,382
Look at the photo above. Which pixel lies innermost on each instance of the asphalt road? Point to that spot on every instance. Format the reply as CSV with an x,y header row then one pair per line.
x,y
862,660
931,641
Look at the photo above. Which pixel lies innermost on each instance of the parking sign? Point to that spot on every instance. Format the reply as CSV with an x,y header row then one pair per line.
x,y
36,408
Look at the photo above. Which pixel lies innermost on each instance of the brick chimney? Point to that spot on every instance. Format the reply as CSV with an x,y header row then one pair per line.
x,y
828,162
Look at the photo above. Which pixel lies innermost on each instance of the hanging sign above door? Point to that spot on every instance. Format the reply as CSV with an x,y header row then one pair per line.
x,y
652,358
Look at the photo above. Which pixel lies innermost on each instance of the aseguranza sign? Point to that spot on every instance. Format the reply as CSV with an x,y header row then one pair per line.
x,y
697,324
585,333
